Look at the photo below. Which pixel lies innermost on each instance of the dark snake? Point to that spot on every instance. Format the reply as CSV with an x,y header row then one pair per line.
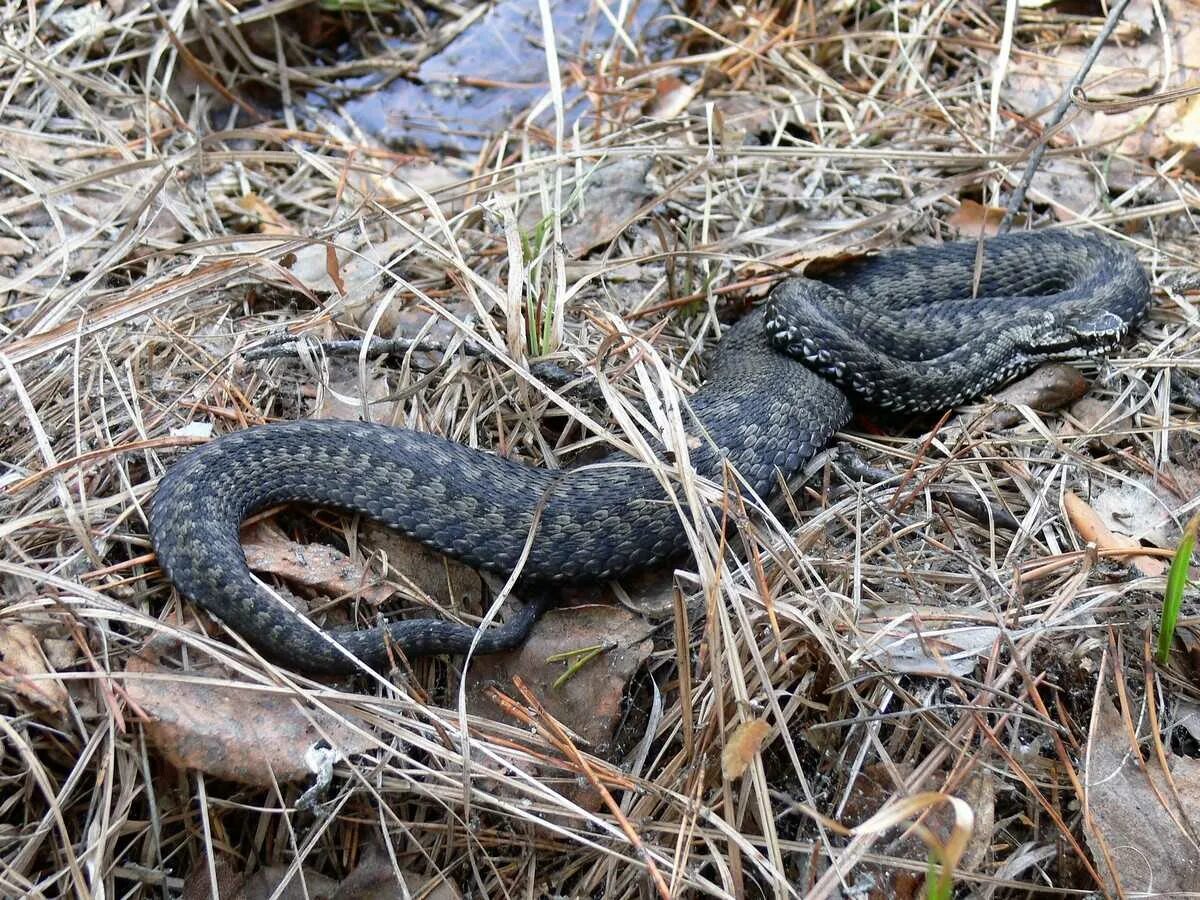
x,y
913,330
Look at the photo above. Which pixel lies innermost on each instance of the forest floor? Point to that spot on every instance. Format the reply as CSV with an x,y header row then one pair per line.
x,y
947,620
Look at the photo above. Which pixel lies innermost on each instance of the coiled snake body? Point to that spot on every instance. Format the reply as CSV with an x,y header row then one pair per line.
x,y
911,330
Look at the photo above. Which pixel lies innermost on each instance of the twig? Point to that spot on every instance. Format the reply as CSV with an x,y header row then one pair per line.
x,y
956,497
1060,110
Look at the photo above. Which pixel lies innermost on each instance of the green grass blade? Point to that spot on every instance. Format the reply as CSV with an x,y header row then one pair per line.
x,y
1176,582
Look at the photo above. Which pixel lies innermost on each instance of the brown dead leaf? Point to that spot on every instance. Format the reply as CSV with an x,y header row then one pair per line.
x,y
25,673
1045,389
974,219
344,399
1109,426
281,883
671,97
1142,508
1092,529
589,701
14,247
348,264
1133,812
270,220
1186,129
611,196
431,576
319,566
334,270
230,731
376,878
742,747
1133,66
198,884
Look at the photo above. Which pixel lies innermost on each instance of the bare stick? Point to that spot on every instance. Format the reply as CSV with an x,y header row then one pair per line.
x,y
1060,110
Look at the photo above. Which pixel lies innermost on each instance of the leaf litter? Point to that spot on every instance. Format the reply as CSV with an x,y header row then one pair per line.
x,y
817,700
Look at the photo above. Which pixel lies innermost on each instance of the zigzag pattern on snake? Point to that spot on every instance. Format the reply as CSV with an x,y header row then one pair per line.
x,y
917,329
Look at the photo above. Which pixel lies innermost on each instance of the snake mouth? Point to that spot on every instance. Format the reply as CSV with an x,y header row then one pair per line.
x,y
1078,338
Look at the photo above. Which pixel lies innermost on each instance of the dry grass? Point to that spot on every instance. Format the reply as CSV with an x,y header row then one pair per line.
x,y
154,230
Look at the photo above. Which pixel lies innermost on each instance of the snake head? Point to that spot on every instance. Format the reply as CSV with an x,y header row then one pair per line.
x,y
1065,337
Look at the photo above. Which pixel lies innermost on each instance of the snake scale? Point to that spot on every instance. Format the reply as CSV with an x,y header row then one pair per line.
x,y
917,330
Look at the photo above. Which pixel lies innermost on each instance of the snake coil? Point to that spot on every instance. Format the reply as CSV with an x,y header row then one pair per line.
x,y
911,330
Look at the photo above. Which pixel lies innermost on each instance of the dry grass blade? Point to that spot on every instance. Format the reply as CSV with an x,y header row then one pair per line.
x,y
195,236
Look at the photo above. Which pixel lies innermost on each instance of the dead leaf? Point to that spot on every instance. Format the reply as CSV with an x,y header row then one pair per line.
x,y
1132,66
431,576
333,269
1045,389
1186,129
742,747
671,97
198,885
974,219
229,731
611,196
1107,425
1142,509
589,701
347,264
270,220
377,878
320,566
305,884
1125,819
24,671
1093,530
926,640
345,398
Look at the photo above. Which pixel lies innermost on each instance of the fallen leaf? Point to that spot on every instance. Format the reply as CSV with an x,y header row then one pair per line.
x,y
345,398
1106,424
25,672
611,196
926,640
1125,819
347,264
589,702
282,883
1186,129
431,576
1093,531
742,747
671,98
270,220
377,878
974,219
1143,509
229,731
1045,389
320,566
1135,64
198,883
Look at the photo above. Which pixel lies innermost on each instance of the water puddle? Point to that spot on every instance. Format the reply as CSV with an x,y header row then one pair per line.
x,y
493,73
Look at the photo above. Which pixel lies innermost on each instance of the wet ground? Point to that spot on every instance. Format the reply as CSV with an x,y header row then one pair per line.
x,y
494,73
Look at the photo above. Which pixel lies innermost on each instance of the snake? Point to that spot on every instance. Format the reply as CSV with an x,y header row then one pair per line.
x,y
911,330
